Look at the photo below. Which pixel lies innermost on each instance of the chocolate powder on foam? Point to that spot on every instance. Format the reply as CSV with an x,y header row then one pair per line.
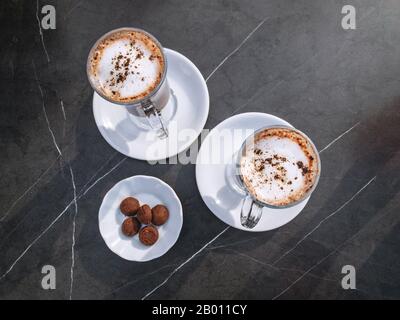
x,y
121,63
307,170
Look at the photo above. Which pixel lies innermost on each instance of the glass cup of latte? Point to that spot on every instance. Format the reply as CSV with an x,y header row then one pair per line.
x,y
127,67
277,167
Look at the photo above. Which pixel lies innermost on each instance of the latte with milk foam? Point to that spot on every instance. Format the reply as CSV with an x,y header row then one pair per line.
x,y
279,167
126,65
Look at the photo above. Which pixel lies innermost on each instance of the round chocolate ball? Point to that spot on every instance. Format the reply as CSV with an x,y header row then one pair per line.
x,y
144,214
160,215
129,206
148,235
130,227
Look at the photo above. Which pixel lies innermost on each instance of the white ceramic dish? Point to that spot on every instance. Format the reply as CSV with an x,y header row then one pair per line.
x,y
148,190
214,180
126,134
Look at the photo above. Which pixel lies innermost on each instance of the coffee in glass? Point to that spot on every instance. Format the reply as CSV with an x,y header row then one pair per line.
x,y
128,67
278,167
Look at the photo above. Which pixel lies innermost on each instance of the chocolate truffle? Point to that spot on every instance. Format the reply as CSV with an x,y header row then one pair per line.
x,y
129,206
130,227
144,214
160,215
148,235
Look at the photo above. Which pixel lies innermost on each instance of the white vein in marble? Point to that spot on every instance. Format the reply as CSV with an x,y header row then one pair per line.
x,y
41,31
29,189
281,268
63,109
294,72
304,274
103,176
99,170
72,9
317,264
73,234
44,110
183,264
338,138
36,240
322,221
142,277
237,48
82,193
222,246
258,93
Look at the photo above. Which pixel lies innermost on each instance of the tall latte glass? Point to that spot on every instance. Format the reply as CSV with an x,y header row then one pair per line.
x,y
278,167
127,67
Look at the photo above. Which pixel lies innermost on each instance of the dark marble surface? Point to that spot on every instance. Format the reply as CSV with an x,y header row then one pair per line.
x,y
299,65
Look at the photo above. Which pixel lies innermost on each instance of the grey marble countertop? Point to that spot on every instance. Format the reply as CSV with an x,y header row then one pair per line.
x,y
289,58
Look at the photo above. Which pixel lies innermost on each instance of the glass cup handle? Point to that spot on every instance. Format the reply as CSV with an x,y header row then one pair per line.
x,y
155,119
250,213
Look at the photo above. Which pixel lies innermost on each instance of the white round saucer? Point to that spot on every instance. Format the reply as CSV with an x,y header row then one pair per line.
x,y
119,128
148,190
214,180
